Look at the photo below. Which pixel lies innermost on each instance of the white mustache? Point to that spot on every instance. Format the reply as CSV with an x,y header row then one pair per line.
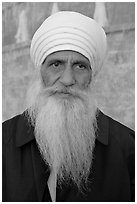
x,y
66,90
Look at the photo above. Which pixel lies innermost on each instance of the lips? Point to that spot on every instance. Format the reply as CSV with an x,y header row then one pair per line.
x,y
63,93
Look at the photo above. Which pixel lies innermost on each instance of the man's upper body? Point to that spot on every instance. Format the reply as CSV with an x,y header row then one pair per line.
x,y
25,174
62,148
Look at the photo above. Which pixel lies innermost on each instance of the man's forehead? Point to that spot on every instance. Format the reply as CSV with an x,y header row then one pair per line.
x,y
67,54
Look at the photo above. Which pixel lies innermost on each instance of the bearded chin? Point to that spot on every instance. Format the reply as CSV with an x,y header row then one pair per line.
x,y
65,134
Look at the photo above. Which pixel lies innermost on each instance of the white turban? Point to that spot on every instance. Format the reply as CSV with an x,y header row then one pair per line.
x,y
69,31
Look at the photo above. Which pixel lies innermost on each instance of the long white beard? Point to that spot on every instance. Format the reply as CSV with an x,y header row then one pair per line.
x,y
65,132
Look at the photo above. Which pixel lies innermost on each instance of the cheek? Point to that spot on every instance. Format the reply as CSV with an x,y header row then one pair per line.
x,y
45,80
48,78
84,80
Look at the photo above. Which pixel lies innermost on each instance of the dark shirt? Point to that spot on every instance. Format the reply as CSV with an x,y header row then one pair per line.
x,y
25,174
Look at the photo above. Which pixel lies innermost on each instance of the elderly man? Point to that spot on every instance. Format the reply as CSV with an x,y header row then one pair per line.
x,y
63,148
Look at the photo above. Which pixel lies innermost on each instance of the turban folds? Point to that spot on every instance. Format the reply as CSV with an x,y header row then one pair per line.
x,y
68,30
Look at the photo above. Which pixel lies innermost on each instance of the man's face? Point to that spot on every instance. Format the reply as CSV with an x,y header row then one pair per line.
x,y
66,69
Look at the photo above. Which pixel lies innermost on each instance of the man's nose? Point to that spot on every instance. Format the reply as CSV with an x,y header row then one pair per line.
x,y
67,77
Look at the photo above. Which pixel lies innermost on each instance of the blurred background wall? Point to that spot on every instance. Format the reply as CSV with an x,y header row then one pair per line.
x,y
116,81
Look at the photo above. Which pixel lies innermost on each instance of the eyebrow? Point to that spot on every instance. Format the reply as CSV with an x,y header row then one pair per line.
x,y
50,61
81,62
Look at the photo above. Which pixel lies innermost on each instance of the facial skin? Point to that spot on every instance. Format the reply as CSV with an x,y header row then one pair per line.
x,y
67,69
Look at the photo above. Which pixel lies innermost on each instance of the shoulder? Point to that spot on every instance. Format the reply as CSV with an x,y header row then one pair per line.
x,y
121,142
121,135
121,132
9,128
118,134
115,129
124,138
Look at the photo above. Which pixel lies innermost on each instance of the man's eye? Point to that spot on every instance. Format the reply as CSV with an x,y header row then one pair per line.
x,y
55,64
80,66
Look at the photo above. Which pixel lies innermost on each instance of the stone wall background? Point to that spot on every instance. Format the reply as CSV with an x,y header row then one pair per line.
x,y
115,86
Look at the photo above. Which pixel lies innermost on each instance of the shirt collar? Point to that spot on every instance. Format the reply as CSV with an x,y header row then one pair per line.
x,y
25,132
